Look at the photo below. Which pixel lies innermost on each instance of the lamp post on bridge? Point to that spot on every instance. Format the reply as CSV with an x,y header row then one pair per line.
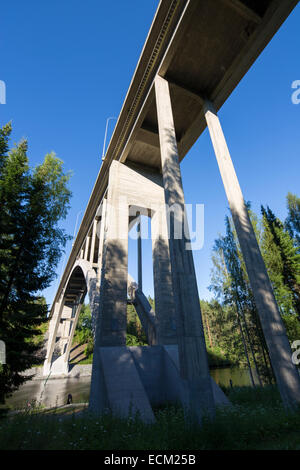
x,y
105,135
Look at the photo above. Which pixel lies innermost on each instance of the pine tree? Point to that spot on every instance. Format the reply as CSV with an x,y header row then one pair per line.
x,y
283,262
32,202
293,219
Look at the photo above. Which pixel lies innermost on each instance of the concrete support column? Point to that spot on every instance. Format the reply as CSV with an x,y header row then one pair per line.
x,y
65,327
193,360
101,241
113,299
162,279
287,376
73,326
91,258
86,250
139,253
53,329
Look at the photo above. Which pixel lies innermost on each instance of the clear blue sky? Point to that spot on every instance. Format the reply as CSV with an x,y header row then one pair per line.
x,y
67,66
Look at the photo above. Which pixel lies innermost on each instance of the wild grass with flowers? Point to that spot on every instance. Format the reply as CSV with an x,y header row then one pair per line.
x,y
256,420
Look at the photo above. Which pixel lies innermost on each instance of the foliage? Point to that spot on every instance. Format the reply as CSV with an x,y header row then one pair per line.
x,y
32,202
241,337
292,326
292,222
256,420
231,322
135,334
83,333
282,261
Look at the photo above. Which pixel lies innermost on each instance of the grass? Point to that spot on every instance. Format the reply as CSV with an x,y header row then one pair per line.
x,y
256,420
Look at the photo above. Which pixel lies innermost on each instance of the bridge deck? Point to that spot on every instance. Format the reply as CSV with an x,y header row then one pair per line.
x,y
204,48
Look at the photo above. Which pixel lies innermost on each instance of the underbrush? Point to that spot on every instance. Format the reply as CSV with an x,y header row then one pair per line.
x,y
256,420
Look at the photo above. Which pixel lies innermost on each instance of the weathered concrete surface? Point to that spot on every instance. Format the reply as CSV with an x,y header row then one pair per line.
x,y
176,387
136,378
125,392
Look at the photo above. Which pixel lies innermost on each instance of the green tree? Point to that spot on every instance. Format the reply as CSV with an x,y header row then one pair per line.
x,y
293,219
32,203
231,284
84,332
283,262
135,335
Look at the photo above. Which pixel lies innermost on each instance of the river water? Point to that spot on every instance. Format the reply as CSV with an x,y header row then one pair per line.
x,y
54,392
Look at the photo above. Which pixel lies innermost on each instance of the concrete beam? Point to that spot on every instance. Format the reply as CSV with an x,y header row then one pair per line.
x,y
181,88
148,137
243,10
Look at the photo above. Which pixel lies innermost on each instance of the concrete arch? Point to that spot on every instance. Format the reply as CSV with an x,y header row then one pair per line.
x,y
82,280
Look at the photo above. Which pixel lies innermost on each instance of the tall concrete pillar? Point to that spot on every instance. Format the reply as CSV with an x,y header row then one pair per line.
x,y
101,241
113,300
92,252
139,254
73,325
86,250
286,374
193,360
54,330
65,326
162,279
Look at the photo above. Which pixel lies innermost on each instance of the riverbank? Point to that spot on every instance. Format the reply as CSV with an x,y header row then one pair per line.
x,y
75,371
54,390
256,420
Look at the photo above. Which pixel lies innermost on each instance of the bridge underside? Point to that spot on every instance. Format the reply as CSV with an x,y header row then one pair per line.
x,y
214,45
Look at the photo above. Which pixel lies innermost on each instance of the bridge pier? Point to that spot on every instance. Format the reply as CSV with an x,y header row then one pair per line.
x,y
124,203
193,359
132,190
286,373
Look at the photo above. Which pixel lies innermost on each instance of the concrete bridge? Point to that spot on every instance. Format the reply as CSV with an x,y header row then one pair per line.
x,y
195,54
